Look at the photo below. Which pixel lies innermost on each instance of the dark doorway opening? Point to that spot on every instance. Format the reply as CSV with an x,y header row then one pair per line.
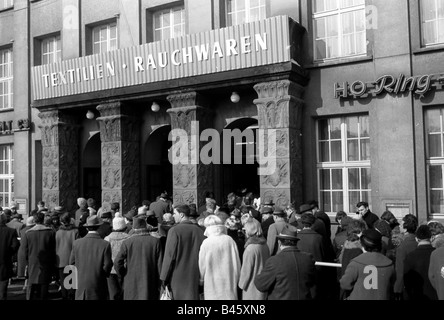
x,y
92,171
242,171
159,171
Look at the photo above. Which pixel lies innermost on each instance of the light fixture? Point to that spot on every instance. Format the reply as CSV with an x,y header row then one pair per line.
x,y
90,115
235,98
155,107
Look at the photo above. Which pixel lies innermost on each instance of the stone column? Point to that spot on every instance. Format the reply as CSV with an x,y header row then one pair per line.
x,y
279,106
60,174
192,178
120,137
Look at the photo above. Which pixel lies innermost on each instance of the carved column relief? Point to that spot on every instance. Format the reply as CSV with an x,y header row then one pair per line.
x,y
120,138
60,176
190,180
279,106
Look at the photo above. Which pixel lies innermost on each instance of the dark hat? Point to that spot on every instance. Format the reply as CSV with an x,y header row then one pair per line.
x,y
269,203
193,211
164,195
91,202
7,212
288,234
304,208
372,237
106,215
139,223
17,215
115,206
93,221
266,210
131,214
279,212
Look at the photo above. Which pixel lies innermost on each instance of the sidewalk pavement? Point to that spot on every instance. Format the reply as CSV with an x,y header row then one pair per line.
x,y
16,292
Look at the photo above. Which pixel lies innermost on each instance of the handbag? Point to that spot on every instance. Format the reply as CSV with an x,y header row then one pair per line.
x,y
166,294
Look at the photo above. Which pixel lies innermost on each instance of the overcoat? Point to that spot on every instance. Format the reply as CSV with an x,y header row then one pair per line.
x,y
436,271
9,245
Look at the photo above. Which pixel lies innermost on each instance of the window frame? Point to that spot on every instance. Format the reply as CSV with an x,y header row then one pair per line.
x,y
247,10
337,12
171,26
9,177
57,53
108,39
8,79
344,165
422,28
6,4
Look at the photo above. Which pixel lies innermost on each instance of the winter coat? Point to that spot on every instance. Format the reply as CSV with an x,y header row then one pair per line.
x,y
15,224
139,263
105,229
338,243
289,275
370,218
92,257
9,245
312,242
255,255
356,278
219,265
115,239
407,245
274,230
21,257
65,238
436,271
160,207
180,267
39,246
350,250
416,274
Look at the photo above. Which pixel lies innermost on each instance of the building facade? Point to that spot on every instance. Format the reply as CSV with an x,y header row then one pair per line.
x,y
91,90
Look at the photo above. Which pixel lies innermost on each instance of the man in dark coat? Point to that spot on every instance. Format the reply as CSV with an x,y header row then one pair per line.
x,y
81,215
289,275
161,206
91,255
39,246
319,214
408,227
139,262
416,268
267,219
105,229
9,245
364,211
180,268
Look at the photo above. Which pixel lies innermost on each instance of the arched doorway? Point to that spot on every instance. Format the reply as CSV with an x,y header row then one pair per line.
x,y
241,171
159,171
92,170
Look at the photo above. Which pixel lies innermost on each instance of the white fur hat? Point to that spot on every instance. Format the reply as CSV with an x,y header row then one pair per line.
x,y
119,222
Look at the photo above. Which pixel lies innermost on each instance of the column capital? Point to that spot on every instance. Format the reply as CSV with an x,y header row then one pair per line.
x,y
108,109
277,90
186,100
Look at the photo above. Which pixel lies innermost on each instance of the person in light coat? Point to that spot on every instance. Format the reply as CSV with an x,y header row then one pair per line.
x,y
219,262
255,254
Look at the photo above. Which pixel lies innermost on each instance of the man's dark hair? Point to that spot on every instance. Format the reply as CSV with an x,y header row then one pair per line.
x,y
41,203
183,208
370,247
423,233
39,217
362,203
209,194
340,215
410,223
146,203
91,203
314,204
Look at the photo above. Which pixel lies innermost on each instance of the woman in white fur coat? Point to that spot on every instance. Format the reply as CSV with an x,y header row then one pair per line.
x,y
219,262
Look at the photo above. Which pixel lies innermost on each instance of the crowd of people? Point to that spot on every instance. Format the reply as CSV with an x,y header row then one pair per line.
x,y
239,249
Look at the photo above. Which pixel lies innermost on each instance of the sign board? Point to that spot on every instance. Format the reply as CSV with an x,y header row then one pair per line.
x,y
22,207
399,208
242,46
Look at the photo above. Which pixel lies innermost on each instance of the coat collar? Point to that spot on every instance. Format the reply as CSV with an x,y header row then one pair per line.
x,y
39,227
255,240
93,236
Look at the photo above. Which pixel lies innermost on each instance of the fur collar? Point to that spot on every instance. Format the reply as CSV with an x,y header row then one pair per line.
x,y
39,227
255,240
68,227
352,244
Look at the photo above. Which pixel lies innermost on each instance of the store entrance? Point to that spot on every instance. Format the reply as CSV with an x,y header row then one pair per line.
x,y
92,172
159,171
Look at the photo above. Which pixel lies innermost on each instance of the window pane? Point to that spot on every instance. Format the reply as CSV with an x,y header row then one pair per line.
x,y
335,128
436,201
319,28
365,149
352,127
365,179
325,179
337,201
353,179
324,149
326,201
354,198
336,177
435,177
364,126
435,145
353,150
433,120
323,129
365,196
336,151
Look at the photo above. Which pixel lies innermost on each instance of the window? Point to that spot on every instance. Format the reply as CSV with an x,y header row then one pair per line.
x,y
343,162
435,159
6,79
51,50
339,28
432,22
243,11
6,175
169,23
104,38
4,4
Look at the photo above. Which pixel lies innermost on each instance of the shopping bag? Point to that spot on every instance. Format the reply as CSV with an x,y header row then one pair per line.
x,y
166,294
